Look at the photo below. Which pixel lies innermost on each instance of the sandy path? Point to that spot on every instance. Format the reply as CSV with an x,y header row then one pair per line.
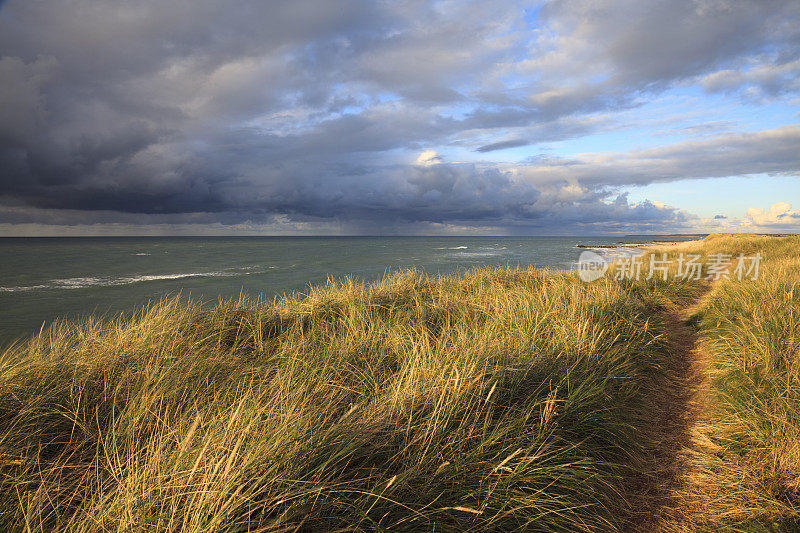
x,y
661,495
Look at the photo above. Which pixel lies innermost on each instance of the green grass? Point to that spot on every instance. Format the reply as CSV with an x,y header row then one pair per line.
x,y
497,400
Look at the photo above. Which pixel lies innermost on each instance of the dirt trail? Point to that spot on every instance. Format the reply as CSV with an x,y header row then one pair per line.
x,y
661,495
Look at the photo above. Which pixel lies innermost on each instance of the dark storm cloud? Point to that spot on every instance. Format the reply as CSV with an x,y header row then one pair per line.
x,y
203,111
502,145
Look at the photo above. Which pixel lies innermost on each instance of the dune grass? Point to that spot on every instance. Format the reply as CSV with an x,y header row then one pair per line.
x,y
752,330
496,400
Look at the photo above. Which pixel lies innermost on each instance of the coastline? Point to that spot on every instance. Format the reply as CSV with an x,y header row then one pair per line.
x,y
106,276
645,244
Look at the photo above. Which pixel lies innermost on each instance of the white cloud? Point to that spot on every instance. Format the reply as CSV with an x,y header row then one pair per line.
x,y
428,158
780,214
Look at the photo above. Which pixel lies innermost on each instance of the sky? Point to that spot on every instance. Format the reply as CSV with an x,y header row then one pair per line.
x,y
357,117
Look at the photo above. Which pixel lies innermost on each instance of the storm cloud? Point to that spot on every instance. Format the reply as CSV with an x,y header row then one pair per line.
x,y
313,112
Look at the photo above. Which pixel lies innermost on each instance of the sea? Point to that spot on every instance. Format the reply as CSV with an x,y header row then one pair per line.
x,y
42,279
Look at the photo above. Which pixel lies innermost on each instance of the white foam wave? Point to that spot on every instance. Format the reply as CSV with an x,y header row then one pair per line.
x,y
488,253
22,289
83,282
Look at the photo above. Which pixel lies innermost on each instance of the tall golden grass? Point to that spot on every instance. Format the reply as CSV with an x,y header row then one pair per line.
x,y
752,331
496,400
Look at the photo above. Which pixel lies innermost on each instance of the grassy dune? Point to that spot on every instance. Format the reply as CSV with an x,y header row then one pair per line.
x,y
752,333
495,400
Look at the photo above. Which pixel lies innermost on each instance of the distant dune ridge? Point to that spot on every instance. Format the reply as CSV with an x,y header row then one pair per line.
x,y
496,400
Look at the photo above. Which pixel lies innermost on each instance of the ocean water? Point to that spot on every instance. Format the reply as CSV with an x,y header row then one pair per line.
x,y
46,278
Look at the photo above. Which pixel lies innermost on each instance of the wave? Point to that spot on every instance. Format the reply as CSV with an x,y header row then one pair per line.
x,y
20,289
84,282
491,252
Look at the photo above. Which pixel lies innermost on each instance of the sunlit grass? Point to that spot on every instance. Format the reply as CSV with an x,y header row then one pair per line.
x,y
496,400
753,332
